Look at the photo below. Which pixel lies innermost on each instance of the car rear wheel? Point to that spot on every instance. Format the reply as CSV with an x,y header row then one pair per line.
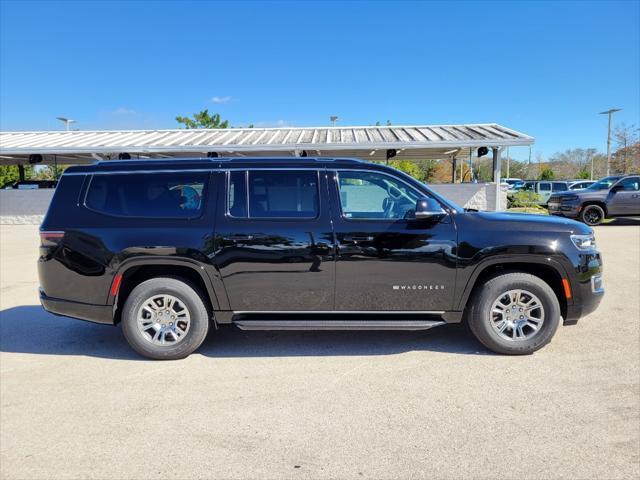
x,y
514,313
592,215
165,318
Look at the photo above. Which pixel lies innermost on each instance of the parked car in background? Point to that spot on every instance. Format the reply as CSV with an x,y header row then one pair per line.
x,y
170,248
544,188
610,197
579,184
31,184
513,184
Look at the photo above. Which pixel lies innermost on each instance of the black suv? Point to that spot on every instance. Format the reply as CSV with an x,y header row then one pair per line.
x,y
615,196
169,248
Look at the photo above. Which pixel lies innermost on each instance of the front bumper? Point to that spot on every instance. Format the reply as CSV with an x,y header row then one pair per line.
x,y
564,209
587,288
81,311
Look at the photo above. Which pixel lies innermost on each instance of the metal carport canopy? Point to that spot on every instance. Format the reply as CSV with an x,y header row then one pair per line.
x,y
410,142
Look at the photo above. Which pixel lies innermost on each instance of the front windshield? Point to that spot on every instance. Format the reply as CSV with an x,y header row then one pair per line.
x,y
604,183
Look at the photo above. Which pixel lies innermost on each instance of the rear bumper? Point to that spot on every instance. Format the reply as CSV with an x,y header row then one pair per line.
x,y
81,311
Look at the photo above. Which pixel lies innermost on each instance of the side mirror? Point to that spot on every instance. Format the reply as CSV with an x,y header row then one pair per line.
x,y
427,208
617,188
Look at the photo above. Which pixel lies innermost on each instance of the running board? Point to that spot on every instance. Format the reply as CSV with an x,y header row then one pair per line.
x,y
337,324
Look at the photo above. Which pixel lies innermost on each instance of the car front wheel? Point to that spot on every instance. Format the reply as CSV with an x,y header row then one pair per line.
x,y
165,318
514,313
592,215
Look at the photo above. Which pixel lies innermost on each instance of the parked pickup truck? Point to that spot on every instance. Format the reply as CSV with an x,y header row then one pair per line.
x,y
610,197
171,248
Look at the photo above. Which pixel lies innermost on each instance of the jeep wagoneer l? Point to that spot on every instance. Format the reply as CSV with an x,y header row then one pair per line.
x,y
172,248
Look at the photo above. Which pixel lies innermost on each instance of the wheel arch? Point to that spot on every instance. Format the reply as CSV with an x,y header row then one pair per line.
x,y
547,270
137,271
601,203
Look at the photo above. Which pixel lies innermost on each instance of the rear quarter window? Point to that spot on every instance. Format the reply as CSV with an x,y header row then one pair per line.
x,y
149,195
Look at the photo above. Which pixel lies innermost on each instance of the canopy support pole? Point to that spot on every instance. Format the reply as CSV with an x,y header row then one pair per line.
x,y
453,169
496,176
21,172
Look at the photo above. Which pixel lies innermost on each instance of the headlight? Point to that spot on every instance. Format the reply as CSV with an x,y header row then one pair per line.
x,y
569,198
584,242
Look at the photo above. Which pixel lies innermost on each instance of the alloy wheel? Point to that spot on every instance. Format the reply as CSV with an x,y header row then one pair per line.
x,y
592,216
517,315
163,320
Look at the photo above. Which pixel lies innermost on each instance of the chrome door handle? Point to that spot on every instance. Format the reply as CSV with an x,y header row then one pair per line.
x,y
358,238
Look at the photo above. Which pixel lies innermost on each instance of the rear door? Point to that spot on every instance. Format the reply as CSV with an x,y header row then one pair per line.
x,y
544,190
274,242
560,187
387,260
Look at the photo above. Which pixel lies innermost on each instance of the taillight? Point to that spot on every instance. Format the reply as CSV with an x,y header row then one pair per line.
x,y
50,238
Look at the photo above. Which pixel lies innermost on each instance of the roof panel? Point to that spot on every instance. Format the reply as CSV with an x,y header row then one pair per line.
x,y
261,141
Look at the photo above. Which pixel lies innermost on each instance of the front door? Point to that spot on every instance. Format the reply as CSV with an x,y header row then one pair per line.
x,y
387,260
274,243
626,200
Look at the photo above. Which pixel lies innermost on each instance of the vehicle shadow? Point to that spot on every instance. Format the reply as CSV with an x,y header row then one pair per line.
x,y
616,222
30,329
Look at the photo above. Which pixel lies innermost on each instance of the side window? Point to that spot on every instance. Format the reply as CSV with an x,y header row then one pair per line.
x,y
559,187
545,187
151,195
273,194
237,194
369,195
631,184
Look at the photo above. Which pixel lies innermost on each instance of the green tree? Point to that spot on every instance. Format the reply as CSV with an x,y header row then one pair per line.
x,y
49,172
203,119
547,174
9,174
583,175
407,167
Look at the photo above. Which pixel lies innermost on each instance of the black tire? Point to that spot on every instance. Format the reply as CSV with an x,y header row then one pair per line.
x,y
186,293
480,313
592,215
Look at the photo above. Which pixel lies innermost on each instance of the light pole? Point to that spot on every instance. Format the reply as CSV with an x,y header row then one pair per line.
x,y
67,121
333,119
609,112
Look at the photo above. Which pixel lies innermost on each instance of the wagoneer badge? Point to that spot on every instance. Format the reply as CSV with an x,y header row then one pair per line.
x,y
418,287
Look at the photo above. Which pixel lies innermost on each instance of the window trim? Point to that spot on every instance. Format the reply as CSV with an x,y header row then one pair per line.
x,y
201,212
336,182
246,171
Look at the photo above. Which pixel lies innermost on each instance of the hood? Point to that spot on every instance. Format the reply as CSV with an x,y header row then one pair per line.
x,y
530,221
583,193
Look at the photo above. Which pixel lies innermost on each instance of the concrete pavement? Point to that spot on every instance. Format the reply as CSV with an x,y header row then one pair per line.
x,y
77,403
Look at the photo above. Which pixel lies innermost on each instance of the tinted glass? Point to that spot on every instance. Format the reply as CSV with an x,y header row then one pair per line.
x,y
277,194
545,187
375,196
237,194
631,184
604,183
559,187
157,195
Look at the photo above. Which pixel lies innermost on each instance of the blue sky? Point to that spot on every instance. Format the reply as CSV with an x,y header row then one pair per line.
x,y
545,68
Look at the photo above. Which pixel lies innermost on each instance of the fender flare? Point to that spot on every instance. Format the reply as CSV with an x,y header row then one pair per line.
x,y
506,260
216,295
